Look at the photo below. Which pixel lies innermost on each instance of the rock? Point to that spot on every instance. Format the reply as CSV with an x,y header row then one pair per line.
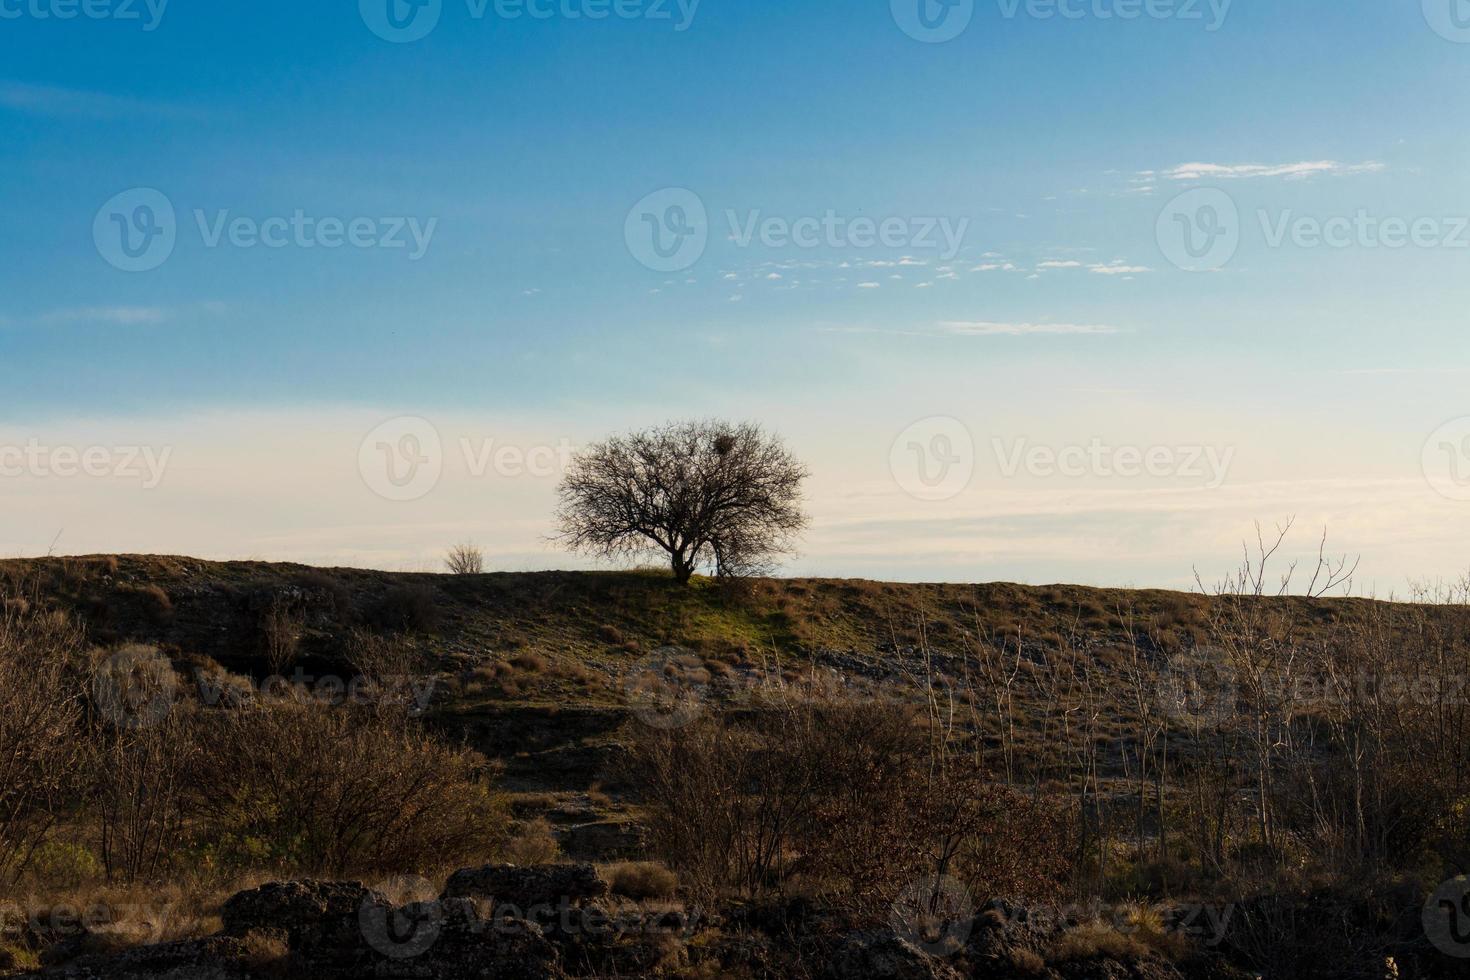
x,y
885,956
605,840
539,887
215,958
297,907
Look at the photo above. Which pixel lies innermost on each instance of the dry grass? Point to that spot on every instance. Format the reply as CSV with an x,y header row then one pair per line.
x,y
531,842
642,880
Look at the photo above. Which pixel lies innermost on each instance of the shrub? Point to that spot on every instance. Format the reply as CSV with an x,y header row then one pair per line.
x,y
337,789
465,559
642,880
41,709
853,797
533,843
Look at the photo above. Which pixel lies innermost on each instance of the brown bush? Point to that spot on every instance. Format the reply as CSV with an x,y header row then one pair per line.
x,y
330,790
41,708
531,843
853,798
642,880
465,559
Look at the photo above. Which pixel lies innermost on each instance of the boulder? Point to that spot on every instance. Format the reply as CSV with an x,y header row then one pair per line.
x,y
214,958
525,889
298,907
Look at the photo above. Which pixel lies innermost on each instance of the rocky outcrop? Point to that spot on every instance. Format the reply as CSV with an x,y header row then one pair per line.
x,y
501,922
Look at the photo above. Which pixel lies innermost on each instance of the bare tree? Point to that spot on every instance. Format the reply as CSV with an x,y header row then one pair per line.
x,y
465,559
704,494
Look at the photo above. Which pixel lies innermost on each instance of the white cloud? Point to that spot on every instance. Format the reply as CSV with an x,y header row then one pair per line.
x,y
1117,268
1059,264
1291,171
867,285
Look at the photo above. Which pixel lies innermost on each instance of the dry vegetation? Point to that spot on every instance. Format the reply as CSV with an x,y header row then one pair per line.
x,y
1298,758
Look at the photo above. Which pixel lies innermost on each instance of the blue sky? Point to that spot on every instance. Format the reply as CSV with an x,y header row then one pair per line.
x,y
518,146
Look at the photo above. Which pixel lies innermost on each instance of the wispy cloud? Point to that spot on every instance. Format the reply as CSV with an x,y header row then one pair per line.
x,y
1290,171
1118,268
987,328
50,100
125,316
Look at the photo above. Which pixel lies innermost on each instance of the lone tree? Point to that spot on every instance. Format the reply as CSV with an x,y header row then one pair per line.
x,y
705,494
